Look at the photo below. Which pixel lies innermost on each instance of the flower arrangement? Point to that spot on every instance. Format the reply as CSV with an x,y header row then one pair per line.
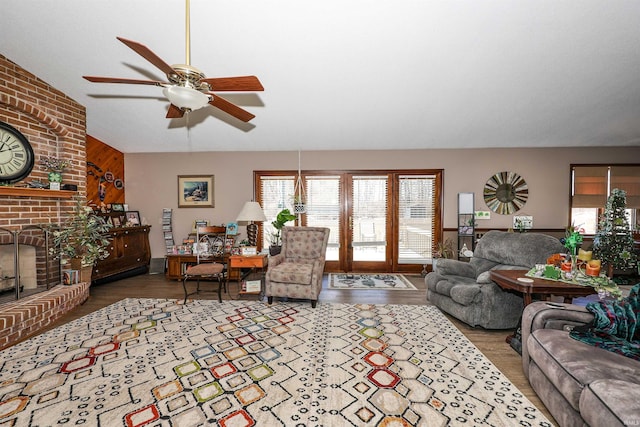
x,y
82,236
53,164
573,239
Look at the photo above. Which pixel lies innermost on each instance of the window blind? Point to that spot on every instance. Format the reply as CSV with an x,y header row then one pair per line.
x,y
276,194
323,208
627,178
590,186
416,204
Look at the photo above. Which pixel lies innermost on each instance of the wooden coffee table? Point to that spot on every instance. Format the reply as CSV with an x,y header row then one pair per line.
x,y
508,279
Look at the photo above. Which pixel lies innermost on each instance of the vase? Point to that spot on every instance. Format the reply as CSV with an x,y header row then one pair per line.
x,y
274,250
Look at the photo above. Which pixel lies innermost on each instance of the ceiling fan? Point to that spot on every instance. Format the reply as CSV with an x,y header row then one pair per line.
x,y
187,87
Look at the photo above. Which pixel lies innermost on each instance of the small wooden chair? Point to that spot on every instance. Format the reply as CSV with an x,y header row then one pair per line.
x,y
210,259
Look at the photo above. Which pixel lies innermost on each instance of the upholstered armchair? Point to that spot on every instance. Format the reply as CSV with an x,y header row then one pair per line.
x,y
297,271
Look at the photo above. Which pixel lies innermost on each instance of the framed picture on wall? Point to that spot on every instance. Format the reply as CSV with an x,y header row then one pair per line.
x,y
195,191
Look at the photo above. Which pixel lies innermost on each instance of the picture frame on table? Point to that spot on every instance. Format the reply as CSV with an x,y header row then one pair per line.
x,y
133,218
115,221
248,250
200,223
232,228
196,191
117,207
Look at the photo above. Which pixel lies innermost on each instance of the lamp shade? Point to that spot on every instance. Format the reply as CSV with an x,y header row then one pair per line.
x,y
186,97
251,211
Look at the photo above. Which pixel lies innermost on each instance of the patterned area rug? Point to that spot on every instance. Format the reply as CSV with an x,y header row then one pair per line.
x,y
369,281
240,363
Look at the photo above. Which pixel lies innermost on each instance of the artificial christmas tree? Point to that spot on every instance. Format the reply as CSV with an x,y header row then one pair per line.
x,y
613,242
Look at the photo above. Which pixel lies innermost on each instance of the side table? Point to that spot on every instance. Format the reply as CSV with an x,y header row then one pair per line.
x,y
252,263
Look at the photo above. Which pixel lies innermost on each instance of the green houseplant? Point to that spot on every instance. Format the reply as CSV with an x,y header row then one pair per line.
x,y
443,250
281,220
82,238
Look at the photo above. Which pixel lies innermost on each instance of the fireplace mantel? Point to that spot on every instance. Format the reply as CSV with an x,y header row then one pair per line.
x,y
41,193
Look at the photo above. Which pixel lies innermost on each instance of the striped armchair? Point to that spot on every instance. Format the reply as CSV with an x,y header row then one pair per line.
x,y
297,271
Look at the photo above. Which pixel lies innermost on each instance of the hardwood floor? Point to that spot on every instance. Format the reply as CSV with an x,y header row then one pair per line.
x,y
491,343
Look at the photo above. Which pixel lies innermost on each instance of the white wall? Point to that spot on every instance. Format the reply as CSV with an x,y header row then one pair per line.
x,y
151,179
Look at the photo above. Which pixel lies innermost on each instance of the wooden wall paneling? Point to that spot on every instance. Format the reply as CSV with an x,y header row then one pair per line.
x,y
106,160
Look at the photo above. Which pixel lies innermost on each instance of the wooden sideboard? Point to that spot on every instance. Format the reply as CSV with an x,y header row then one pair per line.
x,y
130,254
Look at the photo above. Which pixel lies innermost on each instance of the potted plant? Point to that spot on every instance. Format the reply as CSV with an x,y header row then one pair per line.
x,y
82,239
54,167
281,220
443,250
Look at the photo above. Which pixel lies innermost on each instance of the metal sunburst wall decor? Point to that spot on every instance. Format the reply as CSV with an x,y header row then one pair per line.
x,y
506,193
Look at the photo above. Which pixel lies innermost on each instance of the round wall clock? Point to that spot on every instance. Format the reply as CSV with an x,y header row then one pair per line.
x,y
506,193
16,155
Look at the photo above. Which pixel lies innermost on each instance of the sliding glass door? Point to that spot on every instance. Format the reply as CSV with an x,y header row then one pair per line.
x,y
368,213
380,221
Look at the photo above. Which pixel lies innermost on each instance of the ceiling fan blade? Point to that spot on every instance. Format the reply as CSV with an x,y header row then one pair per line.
x,y
147,54
97,79
230,108
174,112
234,84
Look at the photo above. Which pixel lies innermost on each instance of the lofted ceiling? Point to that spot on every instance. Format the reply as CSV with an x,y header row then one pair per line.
x,y
347,74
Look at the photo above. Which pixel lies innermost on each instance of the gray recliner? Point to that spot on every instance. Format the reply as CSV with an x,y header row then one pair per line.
x,y
465,289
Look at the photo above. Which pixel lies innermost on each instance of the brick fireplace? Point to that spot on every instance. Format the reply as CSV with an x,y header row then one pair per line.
x,y
55,126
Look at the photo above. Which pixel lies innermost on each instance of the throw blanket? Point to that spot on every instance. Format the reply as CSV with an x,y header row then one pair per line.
x,y
615,325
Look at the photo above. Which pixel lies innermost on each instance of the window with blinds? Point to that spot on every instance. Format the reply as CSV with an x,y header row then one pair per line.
x,y
276,194
416,205
591,185
323,209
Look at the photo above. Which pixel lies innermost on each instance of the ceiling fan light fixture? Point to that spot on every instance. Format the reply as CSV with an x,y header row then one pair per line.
x,y
186,97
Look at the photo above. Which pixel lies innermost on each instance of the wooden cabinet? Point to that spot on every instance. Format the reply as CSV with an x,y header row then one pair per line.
x,y
129,254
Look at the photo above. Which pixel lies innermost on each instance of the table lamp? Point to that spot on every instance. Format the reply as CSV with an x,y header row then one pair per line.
x,y
251,211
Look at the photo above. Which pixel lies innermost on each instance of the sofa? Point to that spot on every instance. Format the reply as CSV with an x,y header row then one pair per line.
x,y
465,290
580,384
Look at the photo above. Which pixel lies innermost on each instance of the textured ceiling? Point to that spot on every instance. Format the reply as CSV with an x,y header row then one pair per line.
x,y
347,74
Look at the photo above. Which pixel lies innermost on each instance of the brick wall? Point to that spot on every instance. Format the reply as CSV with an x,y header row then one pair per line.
x,y
55,125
